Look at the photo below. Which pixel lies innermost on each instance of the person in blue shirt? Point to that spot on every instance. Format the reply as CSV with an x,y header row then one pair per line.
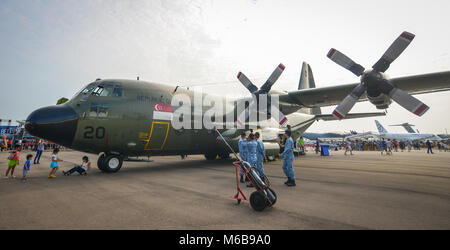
x,y
252,152
26,167
288,158
242,152
260,154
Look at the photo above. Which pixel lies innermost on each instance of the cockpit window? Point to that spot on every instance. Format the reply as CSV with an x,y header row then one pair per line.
x,y
115,91
87,90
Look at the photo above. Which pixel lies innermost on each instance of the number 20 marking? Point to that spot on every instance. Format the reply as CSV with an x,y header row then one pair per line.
x,y
89,132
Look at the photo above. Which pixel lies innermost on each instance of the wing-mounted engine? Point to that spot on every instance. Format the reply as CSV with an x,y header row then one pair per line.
x,y
375,84
376,92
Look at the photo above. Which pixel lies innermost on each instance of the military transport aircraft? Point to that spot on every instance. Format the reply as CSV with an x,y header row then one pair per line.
x,y
128,118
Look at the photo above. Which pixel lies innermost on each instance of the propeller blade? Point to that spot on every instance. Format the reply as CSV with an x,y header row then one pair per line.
x,y
281,119
408,102
246,82
396,48
272,78
345,62
349,101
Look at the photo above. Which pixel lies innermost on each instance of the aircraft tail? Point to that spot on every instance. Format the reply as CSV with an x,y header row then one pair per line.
x,y
307,82
409,129
380,128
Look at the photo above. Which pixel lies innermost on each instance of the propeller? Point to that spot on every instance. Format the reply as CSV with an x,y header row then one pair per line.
x,y
264,90
374,83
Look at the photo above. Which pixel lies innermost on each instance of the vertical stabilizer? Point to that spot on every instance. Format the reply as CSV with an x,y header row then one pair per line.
x,y
407,126
380,128
307,82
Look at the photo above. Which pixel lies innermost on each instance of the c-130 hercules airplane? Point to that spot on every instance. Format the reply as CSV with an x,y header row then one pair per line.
x,y
119,119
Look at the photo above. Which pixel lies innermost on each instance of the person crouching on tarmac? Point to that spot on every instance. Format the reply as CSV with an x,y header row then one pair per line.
x,y
251,153
260,155
288,158
242,153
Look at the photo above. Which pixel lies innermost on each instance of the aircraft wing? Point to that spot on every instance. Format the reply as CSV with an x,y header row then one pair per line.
x,y
328,96
330,117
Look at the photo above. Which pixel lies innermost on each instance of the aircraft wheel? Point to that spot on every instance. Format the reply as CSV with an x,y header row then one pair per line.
x,y
100,162
112,163
258,201
210,156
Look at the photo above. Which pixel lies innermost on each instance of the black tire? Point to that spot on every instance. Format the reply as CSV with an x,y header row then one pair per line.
x,y
112,163
100,162
274,194
258,201
210,156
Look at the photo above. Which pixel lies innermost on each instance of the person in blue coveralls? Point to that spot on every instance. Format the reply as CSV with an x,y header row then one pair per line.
x,y
260,154
242,152
288,158
251,152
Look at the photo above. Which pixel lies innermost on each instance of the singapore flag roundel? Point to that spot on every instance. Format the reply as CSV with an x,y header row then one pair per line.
x,y
162,112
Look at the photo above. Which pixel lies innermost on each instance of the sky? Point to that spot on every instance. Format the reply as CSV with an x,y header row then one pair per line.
x,y
51,49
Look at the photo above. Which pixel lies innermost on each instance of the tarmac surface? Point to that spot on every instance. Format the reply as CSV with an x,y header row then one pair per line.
x,y
409,190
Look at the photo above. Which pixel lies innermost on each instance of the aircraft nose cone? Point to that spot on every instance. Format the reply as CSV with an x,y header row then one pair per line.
x,y
57,124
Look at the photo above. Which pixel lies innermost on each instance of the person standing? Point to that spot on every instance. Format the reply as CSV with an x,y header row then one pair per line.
x,y
242,152
54,163
260,155
389,146
26,167
409,145
429,148
302,144
317,146
348,147
288,158
13,161
39,149
383,146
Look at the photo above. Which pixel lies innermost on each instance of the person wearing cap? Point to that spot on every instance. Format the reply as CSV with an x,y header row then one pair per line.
x,y
242,152
288,158
261,153
252,153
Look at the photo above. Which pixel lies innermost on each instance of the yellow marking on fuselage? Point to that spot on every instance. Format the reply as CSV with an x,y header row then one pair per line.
x,y
150,136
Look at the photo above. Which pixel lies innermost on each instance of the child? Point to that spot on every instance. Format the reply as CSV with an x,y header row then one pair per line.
x,y
26,167
82,170
13,161
54,164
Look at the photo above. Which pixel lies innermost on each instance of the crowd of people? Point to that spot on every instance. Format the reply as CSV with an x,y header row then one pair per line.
x,y
385,146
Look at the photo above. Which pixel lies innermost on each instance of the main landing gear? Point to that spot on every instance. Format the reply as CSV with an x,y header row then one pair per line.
x,y
109,163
